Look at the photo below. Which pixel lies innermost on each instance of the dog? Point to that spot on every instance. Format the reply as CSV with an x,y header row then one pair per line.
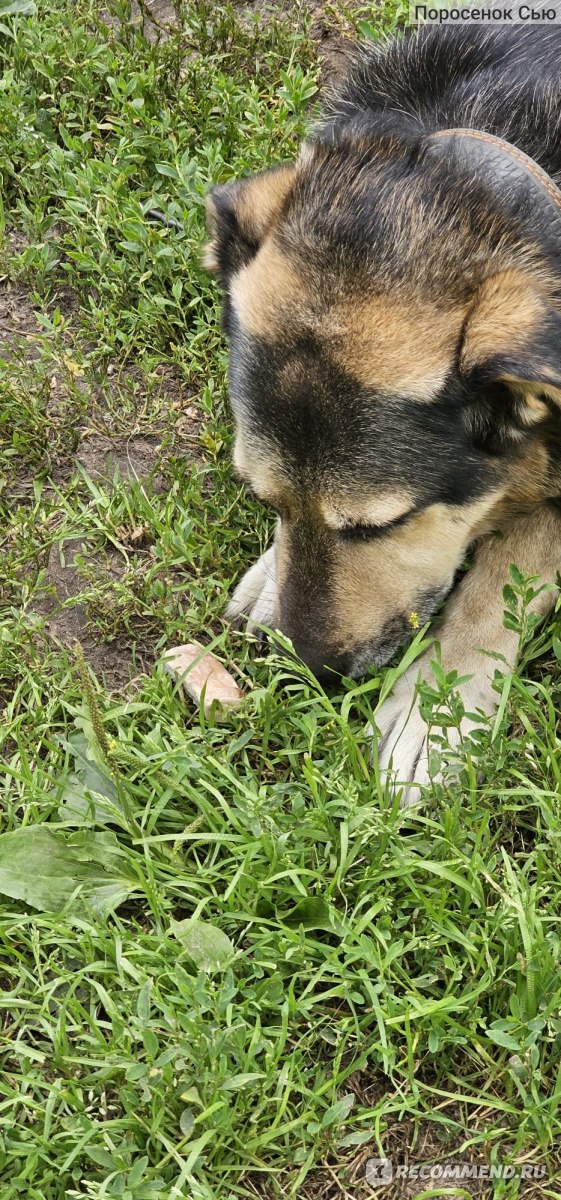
x,y
392,301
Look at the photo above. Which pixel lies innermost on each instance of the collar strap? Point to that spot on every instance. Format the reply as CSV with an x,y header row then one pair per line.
x,y
506,165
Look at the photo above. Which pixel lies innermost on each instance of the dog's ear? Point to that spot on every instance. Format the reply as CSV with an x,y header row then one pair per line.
x,y
512,342
240,214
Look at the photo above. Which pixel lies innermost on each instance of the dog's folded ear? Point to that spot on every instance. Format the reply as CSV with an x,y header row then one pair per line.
x,y
240,214
512,337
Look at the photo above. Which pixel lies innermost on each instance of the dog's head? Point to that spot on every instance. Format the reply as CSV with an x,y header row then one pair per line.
x,y
390,381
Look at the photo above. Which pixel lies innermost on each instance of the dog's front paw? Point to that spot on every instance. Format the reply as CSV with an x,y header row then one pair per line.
x,y
404,739
255,597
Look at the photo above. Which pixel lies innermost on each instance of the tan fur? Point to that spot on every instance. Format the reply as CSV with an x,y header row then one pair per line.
x,y
531,394
395,347
242,460
506,315
209,259
428,548
267,293
474,617
392,344
259,200
378,509
262,471
532,408
531,483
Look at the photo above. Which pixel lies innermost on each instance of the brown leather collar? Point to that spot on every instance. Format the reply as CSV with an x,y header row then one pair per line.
x,y
508,167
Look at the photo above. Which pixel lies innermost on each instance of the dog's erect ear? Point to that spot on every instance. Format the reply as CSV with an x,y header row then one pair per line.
x,y
240,214
512,337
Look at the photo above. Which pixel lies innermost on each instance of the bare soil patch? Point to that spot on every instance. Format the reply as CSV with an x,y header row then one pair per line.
x,y
132,458
17,315
66,619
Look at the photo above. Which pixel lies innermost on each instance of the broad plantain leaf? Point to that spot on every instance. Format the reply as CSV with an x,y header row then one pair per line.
x,y
90,798
45,869
311,913
207,945
20,8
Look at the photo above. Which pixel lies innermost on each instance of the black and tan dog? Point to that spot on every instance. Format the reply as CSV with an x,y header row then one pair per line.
x,y
393,304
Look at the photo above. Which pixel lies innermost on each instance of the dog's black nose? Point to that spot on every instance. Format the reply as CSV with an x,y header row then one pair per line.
x,y
325,664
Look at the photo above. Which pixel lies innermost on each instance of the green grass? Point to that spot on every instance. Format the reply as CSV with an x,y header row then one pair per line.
x,y
230,965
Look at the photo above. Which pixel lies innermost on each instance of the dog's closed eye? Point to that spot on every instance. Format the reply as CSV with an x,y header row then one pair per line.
x,y
351,531
365,532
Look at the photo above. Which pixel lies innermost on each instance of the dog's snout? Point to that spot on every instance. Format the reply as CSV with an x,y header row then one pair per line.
x,y
325,664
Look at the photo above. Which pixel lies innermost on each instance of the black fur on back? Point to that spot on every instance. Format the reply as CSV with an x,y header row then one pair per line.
x,y
503,80
373,208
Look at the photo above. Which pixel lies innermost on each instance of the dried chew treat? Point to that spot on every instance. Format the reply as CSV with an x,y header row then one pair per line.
x,y
205,675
